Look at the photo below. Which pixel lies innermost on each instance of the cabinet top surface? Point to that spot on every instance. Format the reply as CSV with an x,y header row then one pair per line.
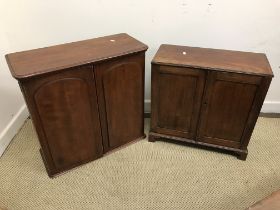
x,y
205,58
43,60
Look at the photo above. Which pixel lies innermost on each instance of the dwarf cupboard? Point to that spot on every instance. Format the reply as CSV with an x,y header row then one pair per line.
x,y
207,97
85,98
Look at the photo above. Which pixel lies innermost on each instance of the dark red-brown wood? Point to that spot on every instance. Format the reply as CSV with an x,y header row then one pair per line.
x,y
120,87
59,57
63,107
214,59
227,105
207,97
181,118
85,98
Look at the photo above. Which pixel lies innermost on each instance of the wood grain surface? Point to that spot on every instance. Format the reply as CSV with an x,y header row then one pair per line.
x,y
44,60
85,98
207,97
224,60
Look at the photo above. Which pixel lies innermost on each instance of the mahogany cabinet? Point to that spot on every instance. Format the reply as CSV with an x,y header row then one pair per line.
x,y
207,97
85,98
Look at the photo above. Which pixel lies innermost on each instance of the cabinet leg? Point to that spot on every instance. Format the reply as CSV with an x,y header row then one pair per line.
x,y
242,155
152,138
51,175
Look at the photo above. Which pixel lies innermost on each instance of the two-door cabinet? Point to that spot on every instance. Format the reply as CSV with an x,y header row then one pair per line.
x,y
208,97
85,98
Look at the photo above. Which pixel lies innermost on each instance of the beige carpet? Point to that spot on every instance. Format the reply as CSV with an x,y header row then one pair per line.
x,y
144,176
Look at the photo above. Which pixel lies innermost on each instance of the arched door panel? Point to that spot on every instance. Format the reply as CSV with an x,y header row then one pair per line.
x,y
120,86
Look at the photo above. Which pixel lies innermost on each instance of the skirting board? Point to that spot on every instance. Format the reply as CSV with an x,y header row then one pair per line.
x,y
271,107
16,123
268,106
12,128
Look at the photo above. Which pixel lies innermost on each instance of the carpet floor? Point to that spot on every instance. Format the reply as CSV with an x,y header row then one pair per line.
x,y
144,175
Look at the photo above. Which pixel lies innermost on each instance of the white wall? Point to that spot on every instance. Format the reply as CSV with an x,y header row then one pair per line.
x,y
247,25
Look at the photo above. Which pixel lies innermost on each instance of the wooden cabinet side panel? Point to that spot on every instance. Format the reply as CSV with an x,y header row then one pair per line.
x,y
154,96
48,160
65,113
120,89
255,111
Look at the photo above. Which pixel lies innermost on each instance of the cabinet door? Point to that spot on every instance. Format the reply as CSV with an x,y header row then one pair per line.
x,y
64,110
227,107
120,89
176,100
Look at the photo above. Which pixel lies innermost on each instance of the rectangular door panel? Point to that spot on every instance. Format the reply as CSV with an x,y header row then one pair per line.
x,y
66,120
176,97
227,105
120,84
